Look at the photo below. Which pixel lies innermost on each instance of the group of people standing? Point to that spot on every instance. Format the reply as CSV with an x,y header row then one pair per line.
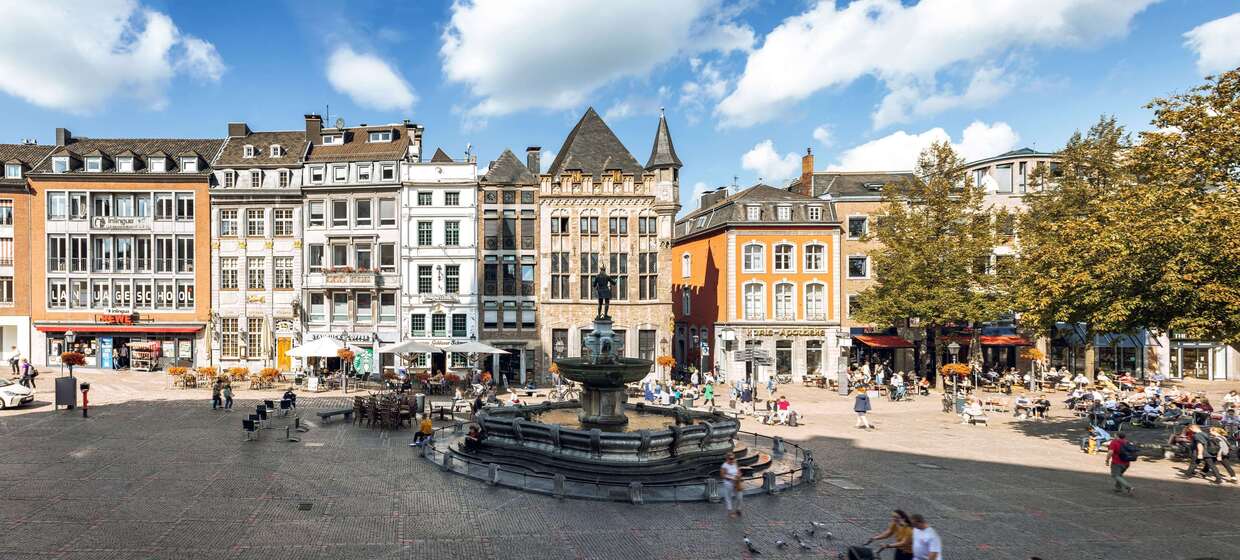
x,y
22,368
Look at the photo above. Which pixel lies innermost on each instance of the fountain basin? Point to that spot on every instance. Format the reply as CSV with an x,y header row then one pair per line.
x,y
614,374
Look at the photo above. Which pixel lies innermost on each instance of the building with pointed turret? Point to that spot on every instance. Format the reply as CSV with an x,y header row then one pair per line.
x,y
601,209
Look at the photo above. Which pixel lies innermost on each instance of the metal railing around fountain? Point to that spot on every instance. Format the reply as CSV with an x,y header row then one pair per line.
x,y
791,465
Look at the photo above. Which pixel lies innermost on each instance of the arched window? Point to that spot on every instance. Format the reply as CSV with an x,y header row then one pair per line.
x,y
815,258
783,257
755,302
815,302
784,308
754,258
686,265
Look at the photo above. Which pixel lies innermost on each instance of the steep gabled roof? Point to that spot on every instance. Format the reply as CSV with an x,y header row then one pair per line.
x,y
663,153
441,157
507,169
593,148
293,144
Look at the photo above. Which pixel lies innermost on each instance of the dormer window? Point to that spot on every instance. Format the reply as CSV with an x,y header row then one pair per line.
x,y
159,165
381,136
249,151
256,178
94,164
753,213
333,139
783,213
815,213
60,164
230,179
189,165
12,171
276,150
124,164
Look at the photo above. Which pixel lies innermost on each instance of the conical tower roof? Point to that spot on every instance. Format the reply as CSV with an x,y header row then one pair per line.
x,y
663,153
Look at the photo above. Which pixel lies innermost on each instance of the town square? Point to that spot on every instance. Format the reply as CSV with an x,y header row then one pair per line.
x,y
897,279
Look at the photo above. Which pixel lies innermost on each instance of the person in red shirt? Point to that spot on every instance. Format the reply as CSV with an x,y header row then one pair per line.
x,y
1119,462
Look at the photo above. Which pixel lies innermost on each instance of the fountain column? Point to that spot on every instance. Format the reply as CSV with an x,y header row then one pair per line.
x,y
602,404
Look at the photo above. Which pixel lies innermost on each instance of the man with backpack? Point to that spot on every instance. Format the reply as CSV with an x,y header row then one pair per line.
x,y
1202,453
1122,454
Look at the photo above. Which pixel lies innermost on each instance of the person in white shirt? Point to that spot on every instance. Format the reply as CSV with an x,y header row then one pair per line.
x,y
926,542
729,484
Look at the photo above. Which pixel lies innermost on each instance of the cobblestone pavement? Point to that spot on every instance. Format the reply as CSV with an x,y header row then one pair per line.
x,y
151,476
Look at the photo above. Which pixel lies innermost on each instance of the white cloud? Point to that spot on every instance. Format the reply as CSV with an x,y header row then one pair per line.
x,y
768,165
695,196
547,157
1217,44
707,87
913,98
826,47
517,55
823,135
898,151
369,81
74,57
636,105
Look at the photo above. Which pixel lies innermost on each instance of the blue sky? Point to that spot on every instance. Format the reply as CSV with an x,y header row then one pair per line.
x,y
747,85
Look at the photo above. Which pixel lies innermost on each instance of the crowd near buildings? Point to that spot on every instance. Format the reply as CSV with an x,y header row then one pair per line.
x,y
228,252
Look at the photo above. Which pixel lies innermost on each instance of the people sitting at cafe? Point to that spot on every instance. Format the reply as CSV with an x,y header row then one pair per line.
x,y
1023,407
971,411
1040,406
1231,400
1127,382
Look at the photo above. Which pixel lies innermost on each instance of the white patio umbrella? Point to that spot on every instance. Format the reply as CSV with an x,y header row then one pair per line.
x,y
320,348
474,347
409,346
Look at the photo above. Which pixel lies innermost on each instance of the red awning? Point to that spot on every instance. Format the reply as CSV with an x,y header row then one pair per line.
x,y
119,329
882,341
1005,340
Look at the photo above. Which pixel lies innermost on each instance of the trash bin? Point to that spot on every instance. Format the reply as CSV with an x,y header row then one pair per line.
x,y
419,403
66,392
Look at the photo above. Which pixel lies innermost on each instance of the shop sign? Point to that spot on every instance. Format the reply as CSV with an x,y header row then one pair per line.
x,y
283,326
789,332
256,299
118,222
349,337
117,318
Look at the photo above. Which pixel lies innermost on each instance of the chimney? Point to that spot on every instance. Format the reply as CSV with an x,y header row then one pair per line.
x,y
314,128
63,136
807,173
711,198
238,130
532,156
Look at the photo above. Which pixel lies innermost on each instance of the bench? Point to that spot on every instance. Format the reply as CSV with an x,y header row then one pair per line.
x,y
328,414
975,420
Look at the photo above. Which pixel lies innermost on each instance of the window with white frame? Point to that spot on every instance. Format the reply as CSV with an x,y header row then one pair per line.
x,y
254,337
256,178
424,233
230,337
857,226
755,302
783,257
94,164
228,223
318,307
124,164
255,222
185,294
387,172
185,207
277,150
333,139
159,165
285,177
785,310
852,305
60,164
283,277
317,213
12,171
248,151
230,179
189,165
814,213
452,233
858,267
815,302
753,259
784,213
387,211
753,213
426,198
380,136
686,265
282,222
362,212
340,213
451,198
316,174
815,258
340,173
228,273
363,173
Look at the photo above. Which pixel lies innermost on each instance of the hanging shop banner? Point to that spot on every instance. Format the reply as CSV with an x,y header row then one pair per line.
x,y
105,352
362,361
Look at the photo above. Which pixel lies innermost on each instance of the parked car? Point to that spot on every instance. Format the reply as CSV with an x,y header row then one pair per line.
x,y
13,394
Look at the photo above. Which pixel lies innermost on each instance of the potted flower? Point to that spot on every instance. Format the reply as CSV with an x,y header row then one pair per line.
x,y
238,373
208,372
177,371
72,359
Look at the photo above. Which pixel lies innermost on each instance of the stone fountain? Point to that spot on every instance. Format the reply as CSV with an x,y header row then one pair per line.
x,y
603,377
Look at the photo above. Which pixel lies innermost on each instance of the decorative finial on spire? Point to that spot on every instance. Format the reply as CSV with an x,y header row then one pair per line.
x,y
661,111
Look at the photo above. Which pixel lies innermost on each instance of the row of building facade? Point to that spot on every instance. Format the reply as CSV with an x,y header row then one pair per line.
x,y
231,251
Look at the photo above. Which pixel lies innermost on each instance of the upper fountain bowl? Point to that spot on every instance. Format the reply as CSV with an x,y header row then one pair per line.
x,y
611,374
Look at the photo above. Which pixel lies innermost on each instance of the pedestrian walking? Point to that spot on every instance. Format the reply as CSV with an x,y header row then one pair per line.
x,y
770,386
215,394
730,476
29,373
228,396
1120,454
1202,453
708,395
901,531
926,542
1225,449
861,406
15,359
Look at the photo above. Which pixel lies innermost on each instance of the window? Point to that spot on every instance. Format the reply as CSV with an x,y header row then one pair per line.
x,y
77,206
510,275
340,213
185,253
648,275
255,222
277,150
452,233
815,302
254,337
362,254
228,223
6,290
340,307
527,315
686,301
77,294
340,255
283,279
333,139
857,226
451,198
363,307
1003,177
753,213
77,253
753,259
142,252
316,174
459,325
57,253
439,324
230,179
228,273
426,198
143,294
527,230
417,324
340,173
361,212
559,343
380,136
163,254
94,164
783,257
124,253
852,305
508,235
783,213
124,165
387,307
510,197
364,173
6,212
285,177
387,257
282,222
158,165
814,213
559,275
686,265
1022,177
60,164
618,263
784,309
755,302
13,171
387,172
317,212
163,206
189,165
858,267
102,261
164,296
318,308
124,205
815,258
230,337
256,179
57,298
387,211
589,225
618,225
585,275
248,151
122,294
452,279
315,259
57,206
424,234
424,279
559,225
185,294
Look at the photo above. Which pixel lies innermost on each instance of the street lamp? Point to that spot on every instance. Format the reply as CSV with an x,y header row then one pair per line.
x,y
954,350
70,336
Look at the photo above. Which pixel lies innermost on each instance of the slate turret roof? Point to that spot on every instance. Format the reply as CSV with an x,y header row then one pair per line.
x,y
663,153
509,170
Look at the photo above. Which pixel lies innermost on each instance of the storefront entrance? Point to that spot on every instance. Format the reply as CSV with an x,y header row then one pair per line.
x,y
142,351
283,345
510,367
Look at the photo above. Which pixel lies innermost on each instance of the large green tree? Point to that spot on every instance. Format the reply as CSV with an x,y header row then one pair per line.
x,y
935,231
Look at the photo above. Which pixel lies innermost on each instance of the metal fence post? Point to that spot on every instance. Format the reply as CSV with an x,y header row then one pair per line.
x,y
635,492
559,485
493,474
712,490
768,482
447,461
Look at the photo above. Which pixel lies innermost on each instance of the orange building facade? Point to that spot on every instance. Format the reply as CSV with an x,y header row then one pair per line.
x,y
15,259
758,270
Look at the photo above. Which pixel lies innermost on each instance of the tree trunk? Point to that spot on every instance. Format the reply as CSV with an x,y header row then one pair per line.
x,y
1090,353
932,354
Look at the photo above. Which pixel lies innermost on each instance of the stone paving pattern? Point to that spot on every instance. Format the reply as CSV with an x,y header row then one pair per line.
x,y
173,479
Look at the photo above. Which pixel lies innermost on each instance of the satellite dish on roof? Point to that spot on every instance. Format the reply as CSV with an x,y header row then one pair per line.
x,y
339,122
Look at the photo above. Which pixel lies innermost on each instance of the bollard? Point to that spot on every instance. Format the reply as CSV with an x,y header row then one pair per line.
x,y
777,446
447,460
712,490
807,468
493,474
635,492
559,486
768,482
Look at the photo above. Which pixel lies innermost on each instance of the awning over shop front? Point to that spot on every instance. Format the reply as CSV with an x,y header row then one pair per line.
x,y
1005,340
882,341
137,329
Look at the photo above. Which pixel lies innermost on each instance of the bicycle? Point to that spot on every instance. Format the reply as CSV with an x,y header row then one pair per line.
x,y
565,392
